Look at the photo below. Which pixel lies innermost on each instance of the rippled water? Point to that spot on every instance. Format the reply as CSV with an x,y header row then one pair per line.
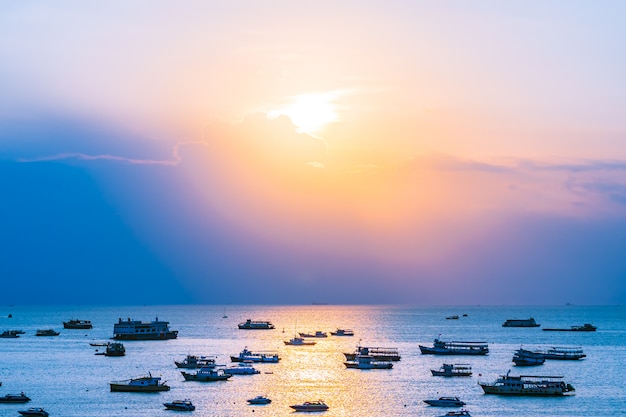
x,y
63,375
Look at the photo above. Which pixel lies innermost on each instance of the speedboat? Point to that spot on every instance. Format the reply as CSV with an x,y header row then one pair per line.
x,y
309,406
34,412
142,384
259,399
299,341
14,398
459,413
446,402
180,405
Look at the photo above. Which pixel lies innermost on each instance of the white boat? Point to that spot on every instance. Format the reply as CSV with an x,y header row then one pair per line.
x,y
142,384
34,412
534,385
206,375
255,325
460,413
455,348
241,369
523,357
261,357
342,332
446,402
457,369
180,405
139,330
259,400
379,353
564,353
368,362
299,341
194,362
309,406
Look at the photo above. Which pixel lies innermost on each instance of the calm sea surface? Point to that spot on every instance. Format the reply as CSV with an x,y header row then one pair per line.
x,y
63,374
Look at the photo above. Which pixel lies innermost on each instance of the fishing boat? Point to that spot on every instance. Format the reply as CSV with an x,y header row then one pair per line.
x,y
47,332
241,368
262,357
317,333
564,353
584,328
446,402
524,357
378,353
141,384
309,406
14,398
180,405
139,330
194,362
533,385
530,322
368,362
34,412
455,348
457,369
342,332
250,324
299,341
77,324
259,400
206,375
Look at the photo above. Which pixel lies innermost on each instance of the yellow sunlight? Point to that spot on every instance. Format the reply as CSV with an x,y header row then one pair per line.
x,y
309,112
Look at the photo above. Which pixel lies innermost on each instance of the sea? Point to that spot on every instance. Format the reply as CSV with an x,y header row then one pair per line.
x,y
64,375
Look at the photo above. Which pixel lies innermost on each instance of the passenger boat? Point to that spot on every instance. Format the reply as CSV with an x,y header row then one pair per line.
x,y
142,384
299,341
584,328
255,325
318,333
241,369
378,353
259,399
139,330
446,402
10,334
206,375
265,357
318,405
455,348
368,362
34,412
528,385
342,332
523,357
14,398
47,332
521,323
115,349
77,324
457,369
194,362
564,353
460,413
180,405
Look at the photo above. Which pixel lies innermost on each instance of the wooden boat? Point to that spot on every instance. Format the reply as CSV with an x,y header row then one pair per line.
x,y
14,398
141,384
528,385
457,369
77,324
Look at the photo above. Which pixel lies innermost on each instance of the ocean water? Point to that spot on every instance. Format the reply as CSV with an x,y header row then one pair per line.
x,y
63,374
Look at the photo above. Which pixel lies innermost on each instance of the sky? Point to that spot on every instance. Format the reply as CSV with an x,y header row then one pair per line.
x,y
279,152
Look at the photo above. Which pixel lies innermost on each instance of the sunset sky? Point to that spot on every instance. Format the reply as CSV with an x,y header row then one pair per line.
x,y
261,152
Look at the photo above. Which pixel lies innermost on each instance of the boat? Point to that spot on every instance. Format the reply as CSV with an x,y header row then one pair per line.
x,y
318,405
299,341
141,384
530,322
523,357
455,317
241,368
564,353
528,385
378,353
97,344
455,348
194,362
47,332
34,412
115,349
457,369
587,327
139,330
460,413
77,324
14,398
206,374
259,399
255,325
368,362
342,332
446,402
260,357
9,334
318,333
180,405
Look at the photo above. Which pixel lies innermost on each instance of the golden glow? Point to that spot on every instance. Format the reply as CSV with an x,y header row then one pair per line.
x,y
309,112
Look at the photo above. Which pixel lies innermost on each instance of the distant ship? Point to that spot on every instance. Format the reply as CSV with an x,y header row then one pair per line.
x,y
139,330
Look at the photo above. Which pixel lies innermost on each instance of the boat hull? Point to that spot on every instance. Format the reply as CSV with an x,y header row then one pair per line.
x,y
158,336
133,388
14,399
536,392
436,351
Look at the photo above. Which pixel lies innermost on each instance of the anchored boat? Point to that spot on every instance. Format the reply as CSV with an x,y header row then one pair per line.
x,y
455,348
142,384
140,330
457,369
534,385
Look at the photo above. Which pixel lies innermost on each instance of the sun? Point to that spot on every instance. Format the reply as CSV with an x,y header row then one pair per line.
x,y
309,112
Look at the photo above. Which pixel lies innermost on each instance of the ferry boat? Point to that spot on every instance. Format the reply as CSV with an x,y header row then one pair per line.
x,y
528,385
521,323
455,348
34,412
342,332
318,333
139,330
299,341
564,353
142,384
47,332
523,357
457,369
587,327
180,405
368,362
206,375
318,405
14,398
262,357
194,362
77,324
255,325
446,402
242,368
259,400
378,353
